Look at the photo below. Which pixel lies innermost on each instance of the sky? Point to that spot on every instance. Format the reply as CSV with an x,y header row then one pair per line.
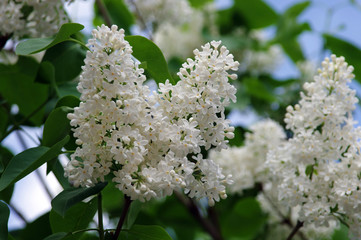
x,y
338,17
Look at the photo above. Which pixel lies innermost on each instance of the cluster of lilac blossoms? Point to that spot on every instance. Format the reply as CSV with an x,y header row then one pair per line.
x,y
150,143
31,18
247,166
246,163
318,169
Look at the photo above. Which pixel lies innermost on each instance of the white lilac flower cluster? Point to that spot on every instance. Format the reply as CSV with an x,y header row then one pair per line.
x,y
150,143
246,163
282,219
31,18
262,60
318,170
188,35
157,12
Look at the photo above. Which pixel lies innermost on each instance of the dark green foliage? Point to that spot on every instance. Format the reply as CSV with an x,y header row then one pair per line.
x,y
67,198
146,51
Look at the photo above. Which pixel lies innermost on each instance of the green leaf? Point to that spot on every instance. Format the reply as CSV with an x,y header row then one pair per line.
x,y
146,51
56,126
68,88
58,171
11,237
149,232
288,30
171,214
5,157
29,160
341,233
76,218
238,139
257,89
256,13
349,51
68,101
310,170
4,217
67,59
132,214
38,229
244,221
88,236
56,236
199,3
108,195
293,50
4,121
46,74
17,86
33,45
295,10
36,45
67,198
118,12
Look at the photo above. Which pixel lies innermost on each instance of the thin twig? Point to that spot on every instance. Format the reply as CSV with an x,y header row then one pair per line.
x,y
285,220
17,212
17,125
29,136
83,230
104,13
100,217
142,21
193,209
295,230
127,202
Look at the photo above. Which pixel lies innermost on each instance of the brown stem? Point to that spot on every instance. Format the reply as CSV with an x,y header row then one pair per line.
x,y
285,220
104,12
295,230
127,202
141,19
193,209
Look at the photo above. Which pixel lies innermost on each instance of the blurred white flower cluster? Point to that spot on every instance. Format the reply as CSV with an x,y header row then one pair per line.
x,y
264,58
318,170
176,26
246,163
180,40
151,143
31,18
157,12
